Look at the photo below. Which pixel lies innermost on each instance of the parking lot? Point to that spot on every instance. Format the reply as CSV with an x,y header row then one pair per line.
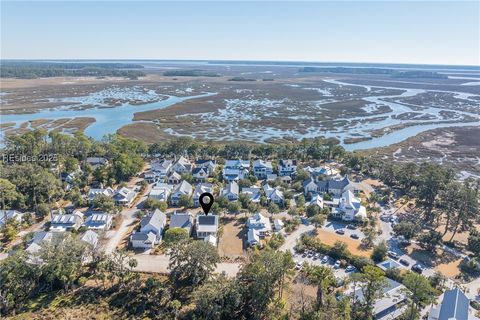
x,y
319,260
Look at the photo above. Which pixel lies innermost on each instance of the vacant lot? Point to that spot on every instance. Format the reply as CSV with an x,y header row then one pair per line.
x,y
232,239
329,238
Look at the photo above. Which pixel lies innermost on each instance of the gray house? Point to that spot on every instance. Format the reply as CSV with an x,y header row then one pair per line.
x,y
182,220
151,230
454,306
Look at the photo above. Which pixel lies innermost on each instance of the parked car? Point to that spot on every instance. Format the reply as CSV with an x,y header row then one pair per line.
x,y
337,264
317,255
299,265
418,267
351,227
310,254
350,269
340,231
325,259
404,262
354,236
392,255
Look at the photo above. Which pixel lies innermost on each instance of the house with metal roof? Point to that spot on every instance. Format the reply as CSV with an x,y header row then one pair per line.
x,y
262,168
454,306
231,191
151,230
99,221
182,220
199,189
66,222
183,189
124,196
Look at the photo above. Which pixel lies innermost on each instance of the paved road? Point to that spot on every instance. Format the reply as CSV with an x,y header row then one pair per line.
x,y
159,264
116,236
291,239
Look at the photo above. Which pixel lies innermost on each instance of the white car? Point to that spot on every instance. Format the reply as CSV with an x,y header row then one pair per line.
x,y
325,259
337,264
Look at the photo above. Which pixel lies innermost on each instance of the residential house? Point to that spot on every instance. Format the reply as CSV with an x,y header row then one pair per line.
x,y
317,200
161,192
182,165
231,191
271,177
454,306
6,215
262,168
97,162
199,189
38,238
99,221
151,230
253,193
392,303
124,196
206,226
152,176
200,174
182,220
274,195
310,186
161,167
66,222
174,178
350,208
93,192
183,189
258,226
90,237
287,168
209,165
336,187
235,170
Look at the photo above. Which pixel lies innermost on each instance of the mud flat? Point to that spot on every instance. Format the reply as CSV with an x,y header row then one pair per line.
x,y
458,147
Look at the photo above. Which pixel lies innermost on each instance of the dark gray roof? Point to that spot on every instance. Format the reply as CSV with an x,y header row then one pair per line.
x,y
454,305
338,184
197,170
180,221
207,220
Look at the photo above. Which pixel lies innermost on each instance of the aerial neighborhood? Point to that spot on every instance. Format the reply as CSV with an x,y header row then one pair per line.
x,y
326,214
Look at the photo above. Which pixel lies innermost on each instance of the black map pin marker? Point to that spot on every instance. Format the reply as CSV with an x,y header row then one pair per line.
x,y
206,201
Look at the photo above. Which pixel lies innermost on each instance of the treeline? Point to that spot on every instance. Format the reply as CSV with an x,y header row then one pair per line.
x,y
36,185
445,204
32,70
379,71
306,149
190,73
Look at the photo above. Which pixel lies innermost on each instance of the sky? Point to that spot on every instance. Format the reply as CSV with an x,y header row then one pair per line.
x,y
426,32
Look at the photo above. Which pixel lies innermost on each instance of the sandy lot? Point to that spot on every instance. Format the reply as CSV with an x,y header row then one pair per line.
x,y
231,242
329,238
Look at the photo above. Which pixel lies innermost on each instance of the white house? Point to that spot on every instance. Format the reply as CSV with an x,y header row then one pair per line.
x,y
211,239
253,193
124,196
161,192
206,226
152,176
209,165
235,170
287,168
183,189
199,189
6,215
66,222
262,168
174,178
350,208
200,174
258,226
162,167
310,186
317,200
97,162
230,191
93,192
182,165
274,195
151,230
99,221
90,237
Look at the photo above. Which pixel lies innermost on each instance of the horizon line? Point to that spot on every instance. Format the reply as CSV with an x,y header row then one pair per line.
x,y
238,60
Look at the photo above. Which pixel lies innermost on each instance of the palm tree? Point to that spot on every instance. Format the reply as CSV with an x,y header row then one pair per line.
x,y
323,278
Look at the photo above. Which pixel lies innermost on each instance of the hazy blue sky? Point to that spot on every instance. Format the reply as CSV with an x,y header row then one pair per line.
x,y
382,31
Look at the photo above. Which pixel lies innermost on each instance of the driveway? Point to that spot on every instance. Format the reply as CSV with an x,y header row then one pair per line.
x,y
115,236
159,264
